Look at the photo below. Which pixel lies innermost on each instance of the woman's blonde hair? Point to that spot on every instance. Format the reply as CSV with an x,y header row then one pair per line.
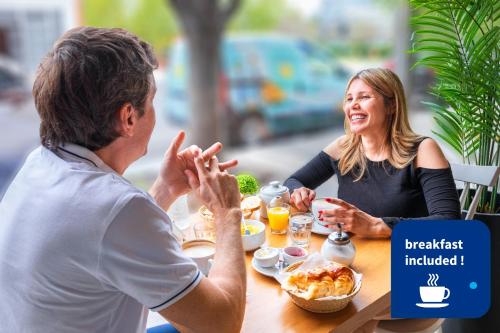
x,y
400,137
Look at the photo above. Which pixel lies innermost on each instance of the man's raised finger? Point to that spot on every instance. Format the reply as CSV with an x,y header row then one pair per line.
x,y
200,167
211,151
176,143
228,165
213,164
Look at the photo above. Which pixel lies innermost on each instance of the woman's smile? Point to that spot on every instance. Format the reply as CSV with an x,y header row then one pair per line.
x,y
364,108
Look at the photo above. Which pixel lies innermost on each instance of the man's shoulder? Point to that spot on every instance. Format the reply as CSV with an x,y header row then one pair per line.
x,y
85,186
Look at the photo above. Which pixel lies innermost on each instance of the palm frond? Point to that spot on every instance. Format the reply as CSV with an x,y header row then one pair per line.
x,y
459,40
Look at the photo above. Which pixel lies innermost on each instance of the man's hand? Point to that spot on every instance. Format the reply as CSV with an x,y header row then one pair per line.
x,y
172,180
217,189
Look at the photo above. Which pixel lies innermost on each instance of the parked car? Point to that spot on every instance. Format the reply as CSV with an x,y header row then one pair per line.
x,y
14,88
270,85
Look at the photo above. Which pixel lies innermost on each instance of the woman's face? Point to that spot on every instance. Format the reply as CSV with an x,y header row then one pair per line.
x,y
364,109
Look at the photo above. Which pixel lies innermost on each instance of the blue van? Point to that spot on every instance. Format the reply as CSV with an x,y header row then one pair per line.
x,y
271,85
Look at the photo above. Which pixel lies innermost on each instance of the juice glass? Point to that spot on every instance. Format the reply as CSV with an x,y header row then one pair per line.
x,y
278,215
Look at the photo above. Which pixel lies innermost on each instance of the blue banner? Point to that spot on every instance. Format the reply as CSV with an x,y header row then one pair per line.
x,y
440,269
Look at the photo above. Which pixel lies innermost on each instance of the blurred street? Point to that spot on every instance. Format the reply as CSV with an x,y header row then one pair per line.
x,y
272,160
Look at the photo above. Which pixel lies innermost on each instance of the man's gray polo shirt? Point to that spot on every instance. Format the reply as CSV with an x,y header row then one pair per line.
x,y
82,250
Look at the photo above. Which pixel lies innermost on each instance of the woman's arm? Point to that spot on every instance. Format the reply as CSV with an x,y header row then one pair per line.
x,y
434,174
310,176
313,174
316,171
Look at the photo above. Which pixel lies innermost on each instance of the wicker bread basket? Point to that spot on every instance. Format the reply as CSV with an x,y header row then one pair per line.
x,y
322,305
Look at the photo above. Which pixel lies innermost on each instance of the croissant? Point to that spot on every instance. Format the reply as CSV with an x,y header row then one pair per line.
x,y
331,280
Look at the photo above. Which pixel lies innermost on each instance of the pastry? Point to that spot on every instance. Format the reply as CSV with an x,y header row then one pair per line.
x,y
331,280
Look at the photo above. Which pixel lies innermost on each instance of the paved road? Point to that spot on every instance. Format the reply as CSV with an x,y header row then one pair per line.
x,y
270,161
274,160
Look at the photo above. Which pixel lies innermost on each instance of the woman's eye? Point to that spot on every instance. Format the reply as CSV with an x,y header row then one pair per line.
x,y
349,99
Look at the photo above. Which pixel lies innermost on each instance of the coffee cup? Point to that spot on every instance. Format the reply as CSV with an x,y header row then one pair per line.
x,y
202,252
321,204
431,294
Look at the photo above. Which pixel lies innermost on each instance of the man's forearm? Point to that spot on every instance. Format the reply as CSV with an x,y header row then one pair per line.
x,y
229,255
159,191
228,271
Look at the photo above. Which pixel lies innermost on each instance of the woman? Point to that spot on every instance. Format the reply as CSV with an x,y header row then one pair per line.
x,y
385,171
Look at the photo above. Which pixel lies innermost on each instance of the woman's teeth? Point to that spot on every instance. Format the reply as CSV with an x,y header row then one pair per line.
x,y
357,117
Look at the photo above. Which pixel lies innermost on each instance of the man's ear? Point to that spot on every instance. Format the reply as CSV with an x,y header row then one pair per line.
x,y
127,119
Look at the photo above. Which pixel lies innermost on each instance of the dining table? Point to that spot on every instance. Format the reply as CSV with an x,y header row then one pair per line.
x,y
270,309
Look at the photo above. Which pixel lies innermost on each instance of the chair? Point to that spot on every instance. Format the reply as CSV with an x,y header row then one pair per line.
x,y
428,325
413,325
483,176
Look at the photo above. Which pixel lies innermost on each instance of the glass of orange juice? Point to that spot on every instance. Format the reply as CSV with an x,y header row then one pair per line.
x,y
278,214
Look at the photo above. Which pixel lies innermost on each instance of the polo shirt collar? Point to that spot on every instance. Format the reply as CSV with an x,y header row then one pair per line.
x,y
85,154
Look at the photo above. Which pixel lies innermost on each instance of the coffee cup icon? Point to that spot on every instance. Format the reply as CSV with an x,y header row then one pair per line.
x,y
433,295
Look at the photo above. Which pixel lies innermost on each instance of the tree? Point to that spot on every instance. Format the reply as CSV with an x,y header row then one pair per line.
x,y
260,15
203,23
151,20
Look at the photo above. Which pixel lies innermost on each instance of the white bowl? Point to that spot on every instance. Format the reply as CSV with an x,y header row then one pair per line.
x,y
266,257
321,204
252,242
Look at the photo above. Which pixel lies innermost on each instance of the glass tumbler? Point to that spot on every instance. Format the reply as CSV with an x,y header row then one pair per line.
x,y
300,228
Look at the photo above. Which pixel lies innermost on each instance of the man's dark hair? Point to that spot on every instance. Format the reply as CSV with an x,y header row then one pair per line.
x,y
86,78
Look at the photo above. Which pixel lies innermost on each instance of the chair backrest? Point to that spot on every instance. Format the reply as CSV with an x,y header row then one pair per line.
x,y
482,176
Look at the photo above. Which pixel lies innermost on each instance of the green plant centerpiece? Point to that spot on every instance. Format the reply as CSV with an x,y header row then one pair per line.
x,y
459,40
248,184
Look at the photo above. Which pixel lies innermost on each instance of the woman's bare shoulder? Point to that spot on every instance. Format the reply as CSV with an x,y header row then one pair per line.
x,y
430,155
334,148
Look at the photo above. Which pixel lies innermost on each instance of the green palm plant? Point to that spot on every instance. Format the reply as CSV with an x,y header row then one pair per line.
x,y
459,40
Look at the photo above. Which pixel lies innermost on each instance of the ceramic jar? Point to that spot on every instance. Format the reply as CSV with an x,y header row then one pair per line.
x,y
270,191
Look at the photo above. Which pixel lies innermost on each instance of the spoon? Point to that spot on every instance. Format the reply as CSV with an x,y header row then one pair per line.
x,y
245,228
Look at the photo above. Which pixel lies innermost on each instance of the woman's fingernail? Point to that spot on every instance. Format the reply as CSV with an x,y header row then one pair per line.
x,y
328,200
320,211
321,219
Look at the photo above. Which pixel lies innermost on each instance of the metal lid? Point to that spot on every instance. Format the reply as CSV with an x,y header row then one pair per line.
x,y
339,238
274,189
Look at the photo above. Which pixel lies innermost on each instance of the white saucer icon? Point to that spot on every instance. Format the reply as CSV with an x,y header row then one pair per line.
x,y
432,305
433,295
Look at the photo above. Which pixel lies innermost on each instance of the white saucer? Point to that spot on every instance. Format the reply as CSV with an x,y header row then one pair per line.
x,y
432,305
320,230
267,271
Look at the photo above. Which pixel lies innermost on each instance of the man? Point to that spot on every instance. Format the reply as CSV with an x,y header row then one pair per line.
x,y
81,249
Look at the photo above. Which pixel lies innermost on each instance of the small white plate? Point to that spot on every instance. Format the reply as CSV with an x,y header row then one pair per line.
x,y
321,230
432,305
267,271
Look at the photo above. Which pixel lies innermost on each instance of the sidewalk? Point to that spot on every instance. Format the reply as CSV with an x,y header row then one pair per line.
x,y
275,160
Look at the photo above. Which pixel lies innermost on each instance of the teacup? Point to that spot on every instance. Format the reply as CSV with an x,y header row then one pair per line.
x,y
321,204
293,254
202,252
434,294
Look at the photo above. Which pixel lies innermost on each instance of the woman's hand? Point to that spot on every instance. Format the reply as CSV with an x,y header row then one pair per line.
x,y
172,180
353,219
302,198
